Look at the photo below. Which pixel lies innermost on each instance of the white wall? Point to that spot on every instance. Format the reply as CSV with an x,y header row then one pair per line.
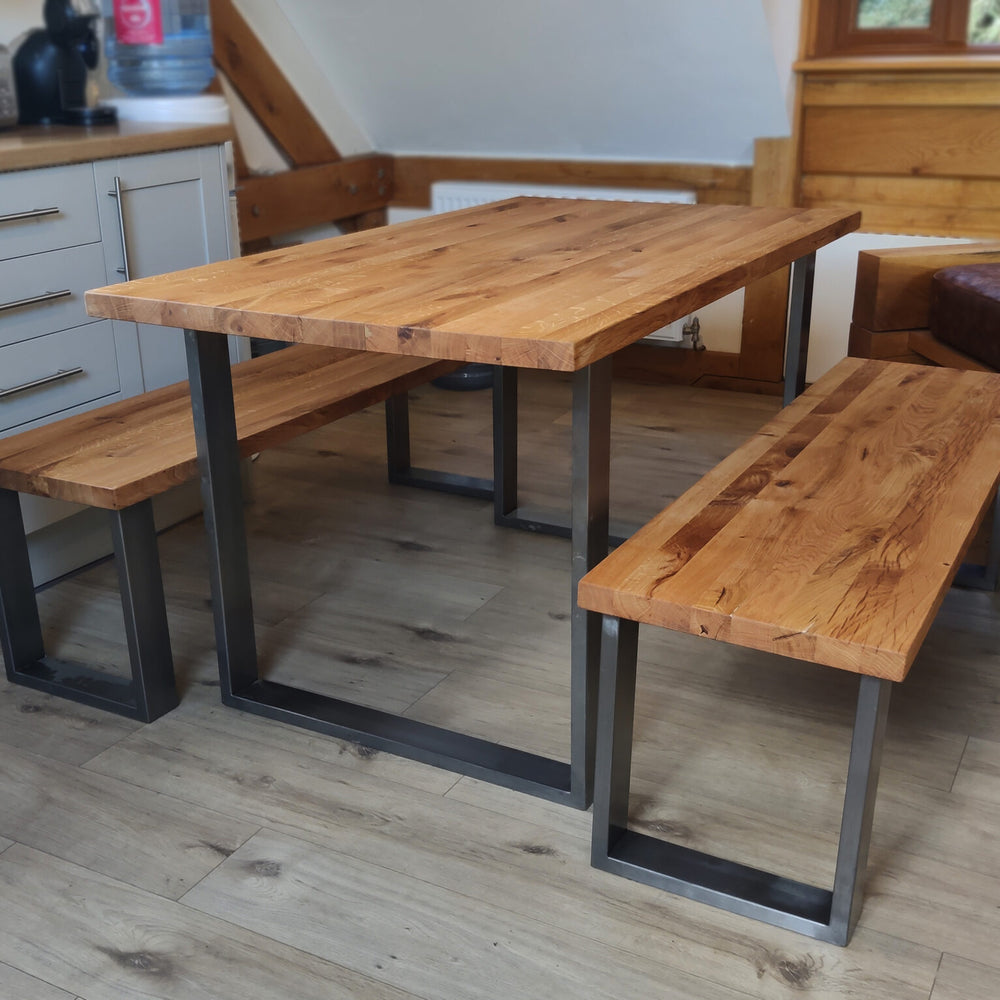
x,y
631,80
17,16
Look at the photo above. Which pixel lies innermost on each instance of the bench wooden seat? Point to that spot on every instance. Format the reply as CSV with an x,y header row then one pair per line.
x,y
831,536
120,456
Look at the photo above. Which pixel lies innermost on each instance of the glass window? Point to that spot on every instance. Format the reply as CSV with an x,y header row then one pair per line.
x,y
894,14
984,22
904,27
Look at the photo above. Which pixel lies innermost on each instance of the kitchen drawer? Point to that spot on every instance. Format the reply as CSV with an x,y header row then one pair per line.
x,y
69,190
47,274
90,348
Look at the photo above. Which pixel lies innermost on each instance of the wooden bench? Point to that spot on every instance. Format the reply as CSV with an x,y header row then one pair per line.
x,y
119,456
831,536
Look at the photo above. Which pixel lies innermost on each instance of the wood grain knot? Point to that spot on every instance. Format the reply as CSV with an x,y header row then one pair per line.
x,y
362,752
679,832
265,868
429,634
798,971
146,962
410,546
537,849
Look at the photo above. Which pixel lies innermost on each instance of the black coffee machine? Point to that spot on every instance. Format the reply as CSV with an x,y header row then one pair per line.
x,y
50,67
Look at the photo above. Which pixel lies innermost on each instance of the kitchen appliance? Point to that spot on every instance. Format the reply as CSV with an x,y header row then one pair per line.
x,y
8,99
51,65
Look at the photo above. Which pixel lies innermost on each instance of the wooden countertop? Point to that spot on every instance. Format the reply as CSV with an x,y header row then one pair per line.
x,y
530,282
48,145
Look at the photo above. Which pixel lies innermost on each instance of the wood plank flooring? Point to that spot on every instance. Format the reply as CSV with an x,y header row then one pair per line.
x,y
216,855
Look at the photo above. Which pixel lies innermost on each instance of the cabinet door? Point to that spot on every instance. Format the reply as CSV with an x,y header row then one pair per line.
x,y
162,212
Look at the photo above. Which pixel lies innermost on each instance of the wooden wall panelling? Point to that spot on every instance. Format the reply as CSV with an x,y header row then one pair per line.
x,y
914,144
911,205
918,141
869,90
677,365
713,183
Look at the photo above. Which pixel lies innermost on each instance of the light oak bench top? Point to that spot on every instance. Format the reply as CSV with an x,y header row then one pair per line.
x,y
136,448
833,534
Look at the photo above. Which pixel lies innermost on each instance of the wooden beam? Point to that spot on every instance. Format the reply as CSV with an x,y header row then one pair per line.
x,y
265,90
712,183
765,302
308,196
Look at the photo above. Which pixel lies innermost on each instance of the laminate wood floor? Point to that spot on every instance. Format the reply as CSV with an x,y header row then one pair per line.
x,y
214,855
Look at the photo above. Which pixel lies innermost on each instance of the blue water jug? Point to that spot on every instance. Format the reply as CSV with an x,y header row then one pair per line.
x,y
158,47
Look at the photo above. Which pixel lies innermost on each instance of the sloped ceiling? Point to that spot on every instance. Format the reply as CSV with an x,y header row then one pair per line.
x,y
634,79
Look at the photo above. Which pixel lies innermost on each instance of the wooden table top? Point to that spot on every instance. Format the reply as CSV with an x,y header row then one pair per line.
x,y
833,534
529,282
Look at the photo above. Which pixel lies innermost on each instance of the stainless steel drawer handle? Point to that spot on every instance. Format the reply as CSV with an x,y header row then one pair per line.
x,y
35,299
119,190
54,377
35,213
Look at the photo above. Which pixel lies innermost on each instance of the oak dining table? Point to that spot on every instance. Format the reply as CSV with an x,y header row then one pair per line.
x,y
533,283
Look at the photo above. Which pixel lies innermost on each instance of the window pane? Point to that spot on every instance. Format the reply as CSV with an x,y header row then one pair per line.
x,y
895,13
984,22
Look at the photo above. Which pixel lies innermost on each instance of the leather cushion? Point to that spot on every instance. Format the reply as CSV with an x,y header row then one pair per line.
x,y
965,310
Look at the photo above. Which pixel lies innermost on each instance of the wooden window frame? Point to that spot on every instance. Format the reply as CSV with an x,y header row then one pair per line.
x,y
835,34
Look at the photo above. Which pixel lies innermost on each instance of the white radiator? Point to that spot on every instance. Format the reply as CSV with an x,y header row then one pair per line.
x,y
448,196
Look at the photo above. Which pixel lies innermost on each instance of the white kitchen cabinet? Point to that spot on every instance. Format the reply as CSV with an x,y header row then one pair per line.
x,y
162,213
71,227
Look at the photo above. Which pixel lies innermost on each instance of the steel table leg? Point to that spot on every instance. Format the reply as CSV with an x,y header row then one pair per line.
x,y
985,576
590,513
222,496
215,431
402,473
799,316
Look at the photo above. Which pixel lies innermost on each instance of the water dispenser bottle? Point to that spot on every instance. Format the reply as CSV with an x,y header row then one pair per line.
x,y
158,47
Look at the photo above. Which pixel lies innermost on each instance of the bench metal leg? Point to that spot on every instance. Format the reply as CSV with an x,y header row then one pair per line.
x,y
150,691
140,582
799,315
859,806
615,716
820,913
20,629
504,442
